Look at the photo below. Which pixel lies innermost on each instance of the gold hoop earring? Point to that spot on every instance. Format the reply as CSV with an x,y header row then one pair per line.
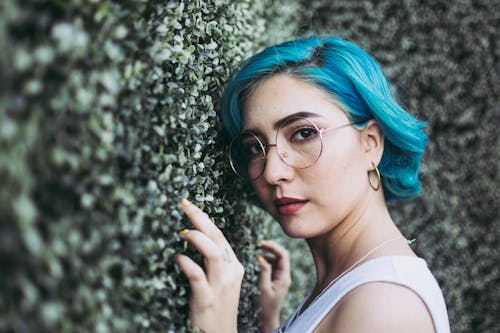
x,y
376,186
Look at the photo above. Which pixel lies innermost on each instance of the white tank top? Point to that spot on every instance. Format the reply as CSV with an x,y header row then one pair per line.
x,y
410,272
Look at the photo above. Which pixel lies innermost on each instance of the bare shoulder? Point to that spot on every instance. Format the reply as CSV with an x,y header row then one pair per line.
x,y
378,307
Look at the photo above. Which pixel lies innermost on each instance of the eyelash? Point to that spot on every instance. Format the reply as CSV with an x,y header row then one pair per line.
x,y
313,130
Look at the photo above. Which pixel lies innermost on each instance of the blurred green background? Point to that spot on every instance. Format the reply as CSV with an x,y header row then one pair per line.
x,y
108,117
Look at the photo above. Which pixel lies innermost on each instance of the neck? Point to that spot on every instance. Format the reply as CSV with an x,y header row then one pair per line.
x,y
356,235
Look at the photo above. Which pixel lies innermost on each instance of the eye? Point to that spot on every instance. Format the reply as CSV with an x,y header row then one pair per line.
x,y
304,134
252,148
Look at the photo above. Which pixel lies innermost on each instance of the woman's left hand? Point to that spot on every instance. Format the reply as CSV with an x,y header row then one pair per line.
x,y
274,282
215,290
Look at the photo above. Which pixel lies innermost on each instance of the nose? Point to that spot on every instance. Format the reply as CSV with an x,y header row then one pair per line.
x,y
275,169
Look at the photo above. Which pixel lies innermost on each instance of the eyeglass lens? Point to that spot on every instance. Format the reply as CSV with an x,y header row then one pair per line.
x,y
298,142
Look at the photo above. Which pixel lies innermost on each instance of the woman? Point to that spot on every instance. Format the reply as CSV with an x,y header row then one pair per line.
x,y
322,142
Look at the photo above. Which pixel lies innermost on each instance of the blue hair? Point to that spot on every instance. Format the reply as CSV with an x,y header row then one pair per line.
x,y
355,80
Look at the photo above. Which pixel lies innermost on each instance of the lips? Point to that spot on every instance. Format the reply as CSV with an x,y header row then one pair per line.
x,y
289,206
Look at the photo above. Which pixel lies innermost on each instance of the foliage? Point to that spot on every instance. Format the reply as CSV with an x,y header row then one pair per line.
x,y
444,59
107,119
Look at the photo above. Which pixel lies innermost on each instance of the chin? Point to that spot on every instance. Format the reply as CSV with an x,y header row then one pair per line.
x,y
292,234
293,229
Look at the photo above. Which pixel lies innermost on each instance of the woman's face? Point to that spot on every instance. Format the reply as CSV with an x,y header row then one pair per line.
x,y
307,202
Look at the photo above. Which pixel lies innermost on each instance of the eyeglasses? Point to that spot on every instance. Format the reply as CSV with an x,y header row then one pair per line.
x,y
299,142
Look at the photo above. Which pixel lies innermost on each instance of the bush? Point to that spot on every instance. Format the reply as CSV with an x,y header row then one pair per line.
x,y
107,119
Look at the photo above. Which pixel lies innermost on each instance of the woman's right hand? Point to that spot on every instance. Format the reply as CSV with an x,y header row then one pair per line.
x,y
274,282
215,289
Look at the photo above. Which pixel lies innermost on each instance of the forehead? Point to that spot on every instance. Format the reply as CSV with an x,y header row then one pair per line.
x,y
282,95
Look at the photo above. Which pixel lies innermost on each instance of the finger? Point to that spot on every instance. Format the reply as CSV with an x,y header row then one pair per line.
x,y
201,221
277,274
265,276
194,273
274,247
212,254
282,258
270,258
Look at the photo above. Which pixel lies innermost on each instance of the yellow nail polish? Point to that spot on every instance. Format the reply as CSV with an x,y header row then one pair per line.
x,y
258,242
184,203
183,232
261,259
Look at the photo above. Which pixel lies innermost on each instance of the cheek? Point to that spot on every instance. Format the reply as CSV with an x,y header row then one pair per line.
x,y
263,192
338,176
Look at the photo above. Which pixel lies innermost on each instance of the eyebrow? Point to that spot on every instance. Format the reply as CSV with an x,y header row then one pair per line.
x,y
277,124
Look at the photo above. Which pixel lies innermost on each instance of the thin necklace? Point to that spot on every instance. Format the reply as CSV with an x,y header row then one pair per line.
x,y
345,272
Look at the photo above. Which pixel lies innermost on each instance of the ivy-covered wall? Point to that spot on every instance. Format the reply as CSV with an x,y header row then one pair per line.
x,y
444,59
108,119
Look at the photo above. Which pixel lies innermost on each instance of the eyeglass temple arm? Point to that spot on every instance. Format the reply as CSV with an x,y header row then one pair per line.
x,y
324,130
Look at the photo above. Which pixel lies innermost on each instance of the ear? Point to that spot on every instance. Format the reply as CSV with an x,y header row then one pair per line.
x,y
373,142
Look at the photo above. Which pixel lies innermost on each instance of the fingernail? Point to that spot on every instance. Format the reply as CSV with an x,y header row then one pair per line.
x,y
261,259
258,242
183,232
184,203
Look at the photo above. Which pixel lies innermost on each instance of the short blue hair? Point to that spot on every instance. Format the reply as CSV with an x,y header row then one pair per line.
x,y
356,81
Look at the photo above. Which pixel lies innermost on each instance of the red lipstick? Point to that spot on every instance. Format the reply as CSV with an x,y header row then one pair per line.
x,y
289,206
